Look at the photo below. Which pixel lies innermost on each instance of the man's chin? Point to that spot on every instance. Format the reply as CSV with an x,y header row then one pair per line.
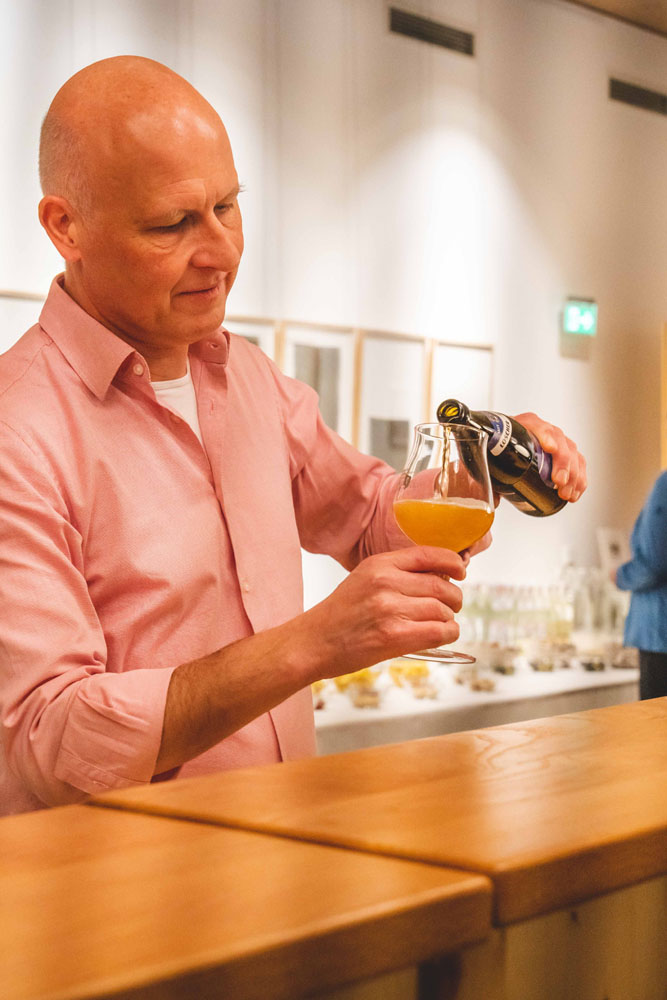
x,y
200,331
196,328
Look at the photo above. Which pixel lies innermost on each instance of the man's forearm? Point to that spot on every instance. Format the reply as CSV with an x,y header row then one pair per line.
x,y
210,698
392,603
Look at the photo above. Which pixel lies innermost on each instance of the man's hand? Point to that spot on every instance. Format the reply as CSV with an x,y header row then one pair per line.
x,y
479,546
568,466
392,603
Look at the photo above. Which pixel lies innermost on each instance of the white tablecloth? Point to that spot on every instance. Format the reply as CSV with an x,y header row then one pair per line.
x,y
527,694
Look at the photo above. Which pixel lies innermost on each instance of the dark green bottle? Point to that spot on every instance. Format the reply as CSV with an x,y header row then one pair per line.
x,y
520,469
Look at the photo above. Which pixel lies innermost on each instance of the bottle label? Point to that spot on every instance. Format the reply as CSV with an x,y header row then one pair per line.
x,y
501,435
543,464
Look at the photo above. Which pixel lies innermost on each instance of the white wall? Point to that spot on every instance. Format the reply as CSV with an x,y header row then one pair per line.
x,y
398,186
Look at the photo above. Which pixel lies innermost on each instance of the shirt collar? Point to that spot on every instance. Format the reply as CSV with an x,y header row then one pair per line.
x,y
95,353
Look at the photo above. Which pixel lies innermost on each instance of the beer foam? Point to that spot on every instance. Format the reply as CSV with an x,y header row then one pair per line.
x,y
475,502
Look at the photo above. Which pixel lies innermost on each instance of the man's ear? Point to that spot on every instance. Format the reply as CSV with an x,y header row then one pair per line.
x,y
61,223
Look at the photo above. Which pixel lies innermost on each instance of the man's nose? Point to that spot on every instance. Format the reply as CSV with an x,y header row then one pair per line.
x,y
218,246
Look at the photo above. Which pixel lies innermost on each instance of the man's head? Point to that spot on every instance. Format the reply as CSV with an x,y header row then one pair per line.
x,y
140,198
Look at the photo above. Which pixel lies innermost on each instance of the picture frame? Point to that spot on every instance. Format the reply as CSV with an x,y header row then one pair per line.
x,y
393,377
613,549
324,358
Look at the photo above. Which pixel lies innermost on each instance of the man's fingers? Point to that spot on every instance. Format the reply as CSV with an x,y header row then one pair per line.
x,y
428,609
429,634
568,465
430,586
430,559
569,472
478,546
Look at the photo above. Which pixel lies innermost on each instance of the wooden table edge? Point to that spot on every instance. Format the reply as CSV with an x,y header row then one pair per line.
x,y
519,893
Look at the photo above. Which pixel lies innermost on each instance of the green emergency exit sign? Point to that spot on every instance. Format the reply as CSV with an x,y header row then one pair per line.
x,y
580,316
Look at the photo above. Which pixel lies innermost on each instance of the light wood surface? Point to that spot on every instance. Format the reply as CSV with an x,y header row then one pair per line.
x,y
650,14
611,947
554,810
98,902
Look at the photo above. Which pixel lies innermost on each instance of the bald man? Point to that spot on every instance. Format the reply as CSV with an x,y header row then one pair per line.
x,y
161,476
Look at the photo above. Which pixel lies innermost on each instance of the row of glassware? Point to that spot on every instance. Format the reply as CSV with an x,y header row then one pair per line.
x,y
582,601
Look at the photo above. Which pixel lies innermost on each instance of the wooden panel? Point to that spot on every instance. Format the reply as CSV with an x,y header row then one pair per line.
x,y
553,810
102,902
610,947
651,14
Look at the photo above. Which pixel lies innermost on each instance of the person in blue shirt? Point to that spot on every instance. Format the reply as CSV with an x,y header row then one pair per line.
x,y
646,576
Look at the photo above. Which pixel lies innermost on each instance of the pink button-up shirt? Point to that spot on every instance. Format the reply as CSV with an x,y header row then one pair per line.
x,y
127,548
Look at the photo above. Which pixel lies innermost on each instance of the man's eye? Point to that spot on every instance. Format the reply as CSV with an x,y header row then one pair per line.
x,y
171,227
225,207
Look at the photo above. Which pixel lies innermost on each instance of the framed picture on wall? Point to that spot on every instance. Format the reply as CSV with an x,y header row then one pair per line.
x,y
323,358
258,332
391,395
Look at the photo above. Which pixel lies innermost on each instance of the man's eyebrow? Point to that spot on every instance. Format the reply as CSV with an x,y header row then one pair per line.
x,y
160,216
234,193
171,211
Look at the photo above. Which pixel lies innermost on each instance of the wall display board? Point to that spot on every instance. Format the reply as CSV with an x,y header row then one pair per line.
x,y
323,357
392,381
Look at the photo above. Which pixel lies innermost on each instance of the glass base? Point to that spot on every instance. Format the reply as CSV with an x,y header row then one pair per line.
x,y
442,655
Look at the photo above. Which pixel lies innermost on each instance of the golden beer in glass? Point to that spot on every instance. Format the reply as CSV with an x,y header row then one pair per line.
x,y
445,497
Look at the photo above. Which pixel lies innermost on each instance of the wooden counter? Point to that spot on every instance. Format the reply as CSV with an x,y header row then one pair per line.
x,y
554,811
565,818
102,903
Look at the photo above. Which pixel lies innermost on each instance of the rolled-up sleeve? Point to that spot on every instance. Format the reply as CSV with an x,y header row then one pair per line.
x,y
69,727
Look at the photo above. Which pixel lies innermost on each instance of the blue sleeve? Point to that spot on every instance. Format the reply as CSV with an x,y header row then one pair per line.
x,y
648,567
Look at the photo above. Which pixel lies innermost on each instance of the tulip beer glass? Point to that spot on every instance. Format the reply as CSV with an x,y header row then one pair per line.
x,y
445,497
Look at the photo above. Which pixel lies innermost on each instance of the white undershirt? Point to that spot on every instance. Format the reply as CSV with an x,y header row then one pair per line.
x,y
179,395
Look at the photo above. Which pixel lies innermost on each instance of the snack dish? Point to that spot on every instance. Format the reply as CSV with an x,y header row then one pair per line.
x,y
415,673
475,679
360,686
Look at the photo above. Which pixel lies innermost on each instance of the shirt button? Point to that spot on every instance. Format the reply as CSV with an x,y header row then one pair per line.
x,y
246,587
138,369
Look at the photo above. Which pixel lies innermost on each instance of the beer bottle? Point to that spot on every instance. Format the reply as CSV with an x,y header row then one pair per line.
x,y
520,470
